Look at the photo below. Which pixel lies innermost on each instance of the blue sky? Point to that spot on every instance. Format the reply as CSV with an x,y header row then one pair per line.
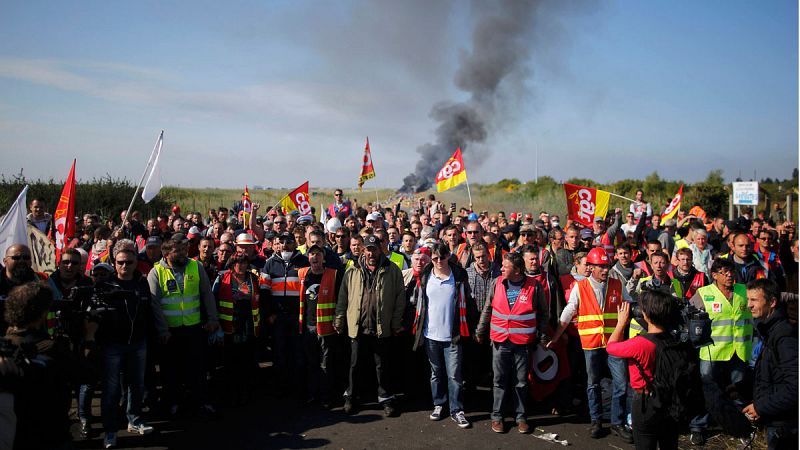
x,y
273,93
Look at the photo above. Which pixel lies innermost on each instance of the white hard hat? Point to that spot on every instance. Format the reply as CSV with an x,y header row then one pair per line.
x,y
333,225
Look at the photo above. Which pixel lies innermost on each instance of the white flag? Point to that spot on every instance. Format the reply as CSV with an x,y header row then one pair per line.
x,y
13,226
154,183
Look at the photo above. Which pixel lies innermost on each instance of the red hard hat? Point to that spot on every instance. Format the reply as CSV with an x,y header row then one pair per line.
x,y
176,209
597,256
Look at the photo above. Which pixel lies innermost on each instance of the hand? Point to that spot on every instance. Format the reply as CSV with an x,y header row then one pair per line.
x,y
8,367
624,313
165,338
637,273
256,206
751,413
478,338
271,319
211,326
617,211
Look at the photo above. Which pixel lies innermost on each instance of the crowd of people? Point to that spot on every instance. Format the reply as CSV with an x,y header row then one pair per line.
x,y
174,314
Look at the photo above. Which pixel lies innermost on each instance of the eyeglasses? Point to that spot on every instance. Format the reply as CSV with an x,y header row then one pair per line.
x,y
472,231
338,194
438,258
765,238
339,236
278,222
20,257
126,262
725,273
69,262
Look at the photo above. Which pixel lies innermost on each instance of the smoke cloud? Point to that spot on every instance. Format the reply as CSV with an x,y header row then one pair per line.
x,y
500,50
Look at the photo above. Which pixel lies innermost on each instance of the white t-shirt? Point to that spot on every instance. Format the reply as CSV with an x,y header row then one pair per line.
x,y
441,307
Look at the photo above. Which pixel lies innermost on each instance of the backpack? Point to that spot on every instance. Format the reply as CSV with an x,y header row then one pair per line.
x,y
676,387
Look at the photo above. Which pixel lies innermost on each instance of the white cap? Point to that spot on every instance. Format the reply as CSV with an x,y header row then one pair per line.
x,y
333,225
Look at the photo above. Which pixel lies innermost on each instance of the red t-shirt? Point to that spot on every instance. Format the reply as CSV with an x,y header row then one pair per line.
x,y
636,349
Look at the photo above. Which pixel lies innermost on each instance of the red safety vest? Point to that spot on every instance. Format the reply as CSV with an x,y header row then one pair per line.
x,y
326,300
594,325
226,307
517,324
698,281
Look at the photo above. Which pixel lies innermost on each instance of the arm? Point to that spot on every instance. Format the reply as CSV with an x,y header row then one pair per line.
x,y
623,317
159,320
542,310
342,302
486,313
399,305
566,316
208,301
639,231
614,228
257,229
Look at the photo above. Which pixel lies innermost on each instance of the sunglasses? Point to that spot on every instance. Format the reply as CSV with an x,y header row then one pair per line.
x,y
472,232
339,236
69,262
20,257
526,234
278,222
126,262
438,258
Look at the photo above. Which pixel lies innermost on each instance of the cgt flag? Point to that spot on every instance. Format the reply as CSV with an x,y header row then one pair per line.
x,y
673,207
367,169
548,368
247,207
64,216
452,174
585,203
298,200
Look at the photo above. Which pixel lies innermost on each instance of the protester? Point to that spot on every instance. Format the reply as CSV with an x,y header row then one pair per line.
x,y
370,309
775,385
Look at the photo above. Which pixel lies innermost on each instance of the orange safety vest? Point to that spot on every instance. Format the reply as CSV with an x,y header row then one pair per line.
x,y
226,307
326,300
518,323
595,326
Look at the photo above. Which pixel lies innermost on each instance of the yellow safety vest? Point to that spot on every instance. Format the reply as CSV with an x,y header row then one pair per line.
x,y
398,260
731,324
181,307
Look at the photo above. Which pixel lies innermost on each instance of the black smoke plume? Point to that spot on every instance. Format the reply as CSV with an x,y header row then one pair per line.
x,y
500,49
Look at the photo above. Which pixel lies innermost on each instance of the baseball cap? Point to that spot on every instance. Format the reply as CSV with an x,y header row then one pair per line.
x,y
526,227
671,223
304,220
245,239
372,241
538,223
315,248
193,232
286,236
103,265
178,237
153,241
372,217
422,251
586,233
599,219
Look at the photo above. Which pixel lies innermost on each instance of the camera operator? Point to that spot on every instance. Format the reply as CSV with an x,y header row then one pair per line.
x,y
125,300
658,281
651,427
42,395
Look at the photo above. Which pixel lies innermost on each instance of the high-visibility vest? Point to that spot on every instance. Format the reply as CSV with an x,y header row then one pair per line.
x,y
518,323
595,325
326,300
397,259
181,307
226,305
608,245
731,324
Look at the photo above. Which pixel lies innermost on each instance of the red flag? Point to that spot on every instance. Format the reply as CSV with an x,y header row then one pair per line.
x,y
367,169
298,199
548,368
673,207
65,214
585,203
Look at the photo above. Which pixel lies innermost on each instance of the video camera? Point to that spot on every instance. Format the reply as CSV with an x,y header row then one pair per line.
x,y
690,325
20,354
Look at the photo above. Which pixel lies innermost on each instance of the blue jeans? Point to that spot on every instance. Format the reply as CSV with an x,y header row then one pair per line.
x,y
596,360
510,363
722,373
130,359
446,382
85,395
781,437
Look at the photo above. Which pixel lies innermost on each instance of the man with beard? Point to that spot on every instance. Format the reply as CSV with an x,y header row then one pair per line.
x,y
370,308
474,233
688,278
182,297
16,272
481,274
566,254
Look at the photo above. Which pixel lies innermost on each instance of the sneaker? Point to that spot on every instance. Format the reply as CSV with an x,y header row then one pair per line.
x,y
459,419
141,428
86,429
623,433
110,441
389,410
597,430
497,426
697,438
437,413
349,408
523,427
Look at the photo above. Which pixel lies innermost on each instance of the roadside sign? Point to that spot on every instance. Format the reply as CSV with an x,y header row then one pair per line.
x,y
745,193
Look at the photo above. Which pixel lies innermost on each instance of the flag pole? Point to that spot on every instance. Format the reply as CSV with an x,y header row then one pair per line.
x,y
377,201
141,180
469,194
622,197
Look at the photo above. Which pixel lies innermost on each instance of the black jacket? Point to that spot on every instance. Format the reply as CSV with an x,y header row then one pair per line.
x,y
775,386
278,302
420,302
127,320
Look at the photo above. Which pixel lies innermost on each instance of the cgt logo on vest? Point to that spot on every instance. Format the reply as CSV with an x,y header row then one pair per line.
x,y
523,298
